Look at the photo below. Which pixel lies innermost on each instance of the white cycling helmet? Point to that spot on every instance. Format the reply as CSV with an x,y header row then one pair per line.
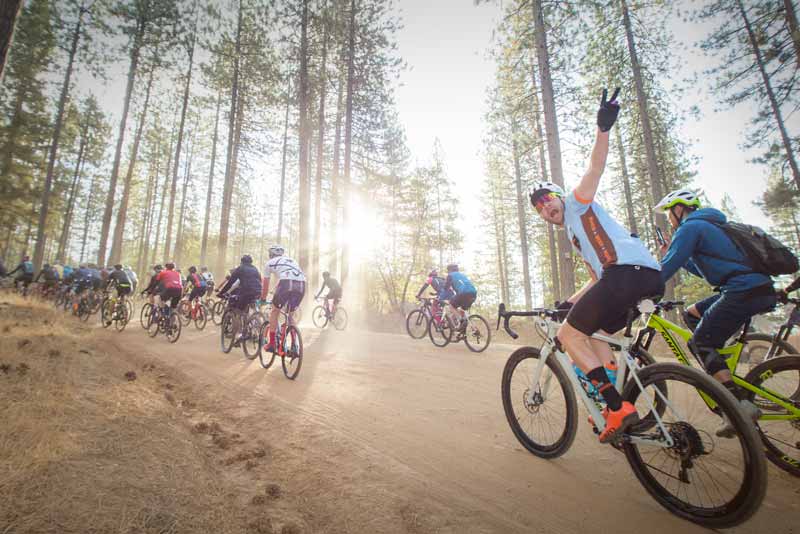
x,y
275,251
685,197
542,188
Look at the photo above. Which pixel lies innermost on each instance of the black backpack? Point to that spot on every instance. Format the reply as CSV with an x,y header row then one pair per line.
x,y
764,254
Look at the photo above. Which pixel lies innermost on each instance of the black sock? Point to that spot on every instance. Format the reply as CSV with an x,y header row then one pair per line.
x,y
599,379
731,386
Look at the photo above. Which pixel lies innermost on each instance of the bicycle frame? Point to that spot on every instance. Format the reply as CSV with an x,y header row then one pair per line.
x,y
731,353
627,363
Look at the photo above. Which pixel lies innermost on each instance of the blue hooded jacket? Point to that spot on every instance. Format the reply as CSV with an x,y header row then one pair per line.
x,y
696,236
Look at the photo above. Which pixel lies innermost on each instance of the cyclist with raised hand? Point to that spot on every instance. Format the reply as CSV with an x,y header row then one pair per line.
x,y
25,269
621,268
290,290
171,286
197,283
464,290
50,276
334,291
701,247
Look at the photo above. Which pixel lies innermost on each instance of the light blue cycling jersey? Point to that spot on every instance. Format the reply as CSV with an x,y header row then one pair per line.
x,y
600,240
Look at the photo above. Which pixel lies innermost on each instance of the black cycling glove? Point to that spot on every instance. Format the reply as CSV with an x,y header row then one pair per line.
x,y
563,308
609,109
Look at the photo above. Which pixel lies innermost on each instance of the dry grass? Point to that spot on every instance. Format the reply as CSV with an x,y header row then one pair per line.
x,y
83,448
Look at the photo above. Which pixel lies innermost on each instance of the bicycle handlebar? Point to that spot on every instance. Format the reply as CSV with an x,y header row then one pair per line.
x,y
537,312
667,305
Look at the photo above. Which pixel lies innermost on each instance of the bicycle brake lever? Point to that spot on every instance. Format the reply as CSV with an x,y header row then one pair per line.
x,y
500,311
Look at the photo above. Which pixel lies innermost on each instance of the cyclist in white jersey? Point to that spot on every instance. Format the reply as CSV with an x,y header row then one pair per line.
x,y
622,270
290,290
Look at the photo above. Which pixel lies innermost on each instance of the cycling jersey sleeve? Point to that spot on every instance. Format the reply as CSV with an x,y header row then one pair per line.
x,y
680,251
793,286
422,289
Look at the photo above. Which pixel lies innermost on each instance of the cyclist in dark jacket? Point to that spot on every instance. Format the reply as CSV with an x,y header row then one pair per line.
x,y
120,278
249,284
704,249
25,269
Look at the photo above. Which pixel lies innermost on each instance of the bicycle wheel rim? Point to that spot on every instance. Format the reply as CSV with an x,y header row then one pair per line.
x,y
781,438
201,319
417,324
439,336
685,487
251,336
144,315
121,322
173,328
226,332
477,334
319,318
546,427
292,359
265,358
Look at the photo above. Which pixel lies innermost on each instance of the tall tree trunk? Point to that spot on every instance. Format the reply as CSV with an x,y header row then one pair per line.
x,y
210,193
88,217
348,135
773,102
499,246
9,9
334,200
141,26
179,245
179,145
282,197
323,81
62,242
122,211
305,135
791,22
227,193
626,180
38,253
147,211
167,182
566,273
523,227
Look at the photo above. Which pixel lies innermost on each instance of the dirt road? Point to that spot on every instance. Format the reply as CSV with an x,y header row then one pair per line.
x,y
388,434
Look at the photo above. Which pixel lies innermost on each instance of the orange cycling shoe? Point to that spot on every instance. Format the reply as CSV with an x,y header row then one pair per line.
x,y
618,421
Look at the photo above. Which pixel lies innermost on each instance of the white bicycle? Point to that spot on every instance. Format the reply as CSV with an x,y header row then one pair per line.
x,y
672,450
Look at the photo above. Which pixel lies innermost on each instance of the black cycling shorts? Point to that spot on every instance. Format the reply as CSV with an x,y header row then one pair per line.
x,y
334,295
464,300
173,295
605,305
289,293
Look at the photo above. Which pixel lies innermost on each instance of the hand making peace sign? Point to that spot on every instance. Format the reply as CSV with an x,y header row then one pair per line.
x,y
609,109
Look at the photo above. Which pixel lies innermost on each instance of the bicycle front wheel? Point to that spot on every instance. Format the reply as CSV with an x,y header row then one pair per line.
x,y
340,319
217,312
292,358
184,311
201,318
440,333
543,415
106,312
122,317
781,437
477,334
712,481
417,324
319,317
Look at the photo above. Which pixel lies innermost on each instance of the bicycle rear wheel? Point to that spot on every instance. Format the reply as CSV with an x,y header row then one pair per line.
x,y
339,318
154,323
227,331
781,438
173,327
292,358
106,312
184,311
122,317
477,334
266,358
201,317
542,416
715,482
251,332
758,346
319,317
417,324
144,315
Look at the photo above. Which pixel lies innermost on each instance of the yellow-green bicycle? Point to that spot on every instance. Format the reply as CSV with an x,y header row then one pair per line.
x,y
773,385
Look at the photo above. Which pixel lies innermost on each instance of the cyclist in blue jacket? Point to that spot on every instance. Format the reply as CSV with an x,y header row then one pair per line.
x,y
464,290
701,247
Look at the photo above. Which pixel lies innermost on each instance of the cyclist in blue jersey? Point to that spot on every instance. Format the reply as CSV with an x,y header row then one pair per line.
x,y
621,268
705,250
463,290
25,269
